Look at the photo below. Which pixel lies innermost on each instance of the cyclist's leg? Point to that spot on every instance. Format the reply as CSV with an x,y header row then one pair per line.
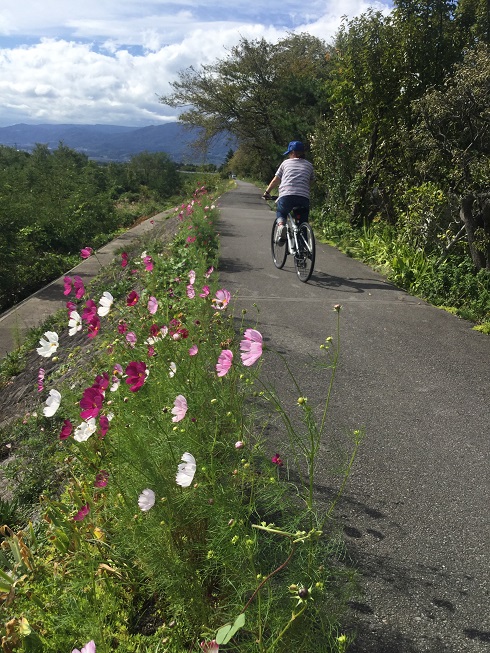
x,y
282,210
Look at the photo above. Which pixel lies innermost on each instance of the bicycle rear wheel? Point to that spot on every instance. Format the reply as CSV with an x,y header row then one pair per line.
x,y
279,251
304,260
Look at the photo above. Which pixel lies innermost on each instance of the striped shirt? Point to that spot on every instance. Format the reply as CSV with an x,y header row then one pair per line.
x,y
296,176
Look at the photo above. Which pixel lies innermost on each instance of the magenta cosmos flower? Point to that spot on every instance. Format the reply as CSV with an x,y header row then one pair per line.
x,y
225,360
78,287
251,347
210,647
132,298
180,408
67,284
136,375
91,403
82,513
86,252
66,430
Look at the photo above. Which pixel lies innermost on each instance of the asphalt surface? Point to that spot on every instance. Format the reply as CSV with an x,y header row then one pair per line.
x,y
416,512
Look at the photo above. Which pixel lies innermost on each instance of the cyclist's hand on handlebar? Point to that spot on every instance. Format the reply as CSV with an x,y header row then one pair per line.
x,y
266,196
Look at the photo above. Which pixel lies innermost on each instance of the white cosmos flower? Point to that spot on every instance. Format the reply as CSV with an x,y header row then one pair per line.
x,y
172,369
74,323
187,469
146,500
49,344
85,430
52,403
105,303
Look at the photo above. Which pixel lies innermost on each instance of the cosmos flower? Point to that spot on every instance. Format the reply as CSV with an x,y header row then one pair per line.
x,y
85,430
251,347
136,373
193,350
105,303
86,252
224,362
78,287
52,403
74,323
88,648
146,500
186,470
222,299
80,516
49,344
152,305
180,408
66,430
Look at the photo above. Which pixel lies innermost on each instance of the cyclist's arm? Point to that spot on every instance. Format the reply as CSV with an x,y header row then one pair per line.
x,y
274,183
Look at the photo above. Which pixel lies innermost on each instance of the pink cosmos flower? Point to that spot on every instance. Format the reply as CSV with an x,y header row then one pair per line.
x,y
210,647
180,408
193,350
88,648
224,362
152,305
192,277
71,306
277,460
67,282
222,299
148,263
132,298
78,287
91,403
191,293
82,513
205,292
124,259
66,430
122,327
209,272
190,239
136,375
86,252
131,338
251,347
101,478
40,379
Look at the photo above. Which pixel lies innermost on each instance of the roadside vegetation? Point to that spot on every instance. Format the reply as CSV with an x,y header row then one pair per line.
x,y
395,113
145,510
54,203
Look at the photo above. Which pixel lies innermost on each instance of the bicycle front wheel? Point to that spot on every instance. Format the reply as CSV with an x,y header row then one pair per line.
x,y
304,260
278,249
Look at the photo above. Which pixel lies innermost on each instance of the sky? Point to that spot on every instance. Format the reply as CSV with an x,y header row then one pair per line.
x,y
109,61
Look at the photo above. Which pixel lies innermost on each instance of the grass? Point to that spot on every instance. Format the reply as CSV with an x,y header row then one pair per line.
x,y
103,543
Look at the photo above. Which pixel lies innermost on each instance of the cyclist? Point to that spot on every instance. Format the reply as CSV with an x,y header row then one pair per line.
x,y
294,177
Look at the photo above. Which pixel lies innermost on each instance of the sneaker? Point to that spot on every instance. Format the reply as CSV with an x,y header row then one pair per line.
x,y
281,234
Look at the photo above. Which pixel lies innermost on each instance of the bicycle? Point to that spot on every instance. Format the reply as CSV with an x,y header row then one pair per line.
x,y
300,242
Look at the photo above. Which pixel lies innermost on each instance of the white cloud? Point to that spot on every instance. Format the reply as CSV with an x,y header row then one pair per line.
x,y
108,62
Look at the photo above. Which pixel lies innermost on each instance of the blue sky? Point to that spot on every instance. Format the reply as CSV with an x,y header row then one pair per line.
x,y
108,61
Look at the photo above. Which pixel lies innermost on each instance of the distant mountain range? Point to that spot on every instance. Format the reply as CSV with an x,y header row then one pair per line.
x,y
117,143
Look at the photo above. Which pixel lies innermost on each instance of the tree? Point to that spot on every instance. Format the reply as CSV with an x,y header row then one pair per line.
x,y
264,94
453,145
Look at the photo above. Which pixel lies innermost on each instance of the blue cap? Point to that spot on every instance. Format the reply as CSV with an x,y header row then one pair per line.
x,y
295,146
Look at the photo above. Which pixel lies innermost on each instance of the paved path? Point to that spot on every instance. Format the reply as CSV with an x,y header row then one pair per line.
x,y
416,514
34,310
